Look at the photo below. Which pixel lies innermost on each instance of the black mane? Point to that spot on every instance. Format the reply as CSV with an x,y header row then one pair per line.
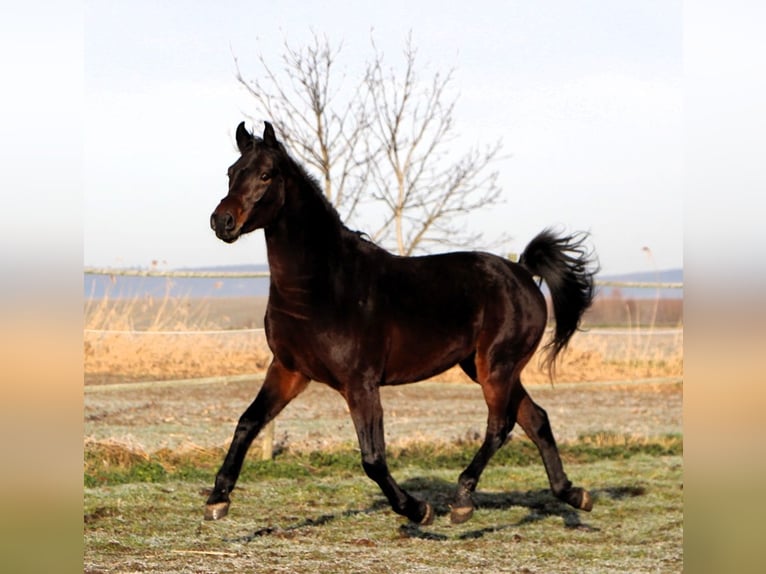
x,y
315,188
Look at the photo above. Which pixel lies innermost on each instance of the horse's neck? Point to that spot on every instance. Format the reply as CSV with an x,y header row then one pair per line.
x,y
303,241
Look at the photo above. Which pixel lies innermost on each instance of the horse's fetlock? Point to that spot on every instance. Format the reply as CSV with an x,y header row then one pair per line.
x,y
563,490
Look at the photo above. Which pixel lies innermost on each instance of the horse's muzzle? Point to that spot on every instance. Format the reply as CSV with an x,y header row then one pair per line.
x,y
224,224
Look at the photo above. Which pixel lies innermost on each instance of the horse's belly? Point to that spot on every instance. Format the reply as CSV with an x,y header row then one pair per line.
x,y
413,359
386,353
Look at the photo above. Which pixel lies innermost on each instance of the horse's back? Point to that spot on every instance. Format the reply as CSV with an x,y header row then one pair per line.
x,y
458,284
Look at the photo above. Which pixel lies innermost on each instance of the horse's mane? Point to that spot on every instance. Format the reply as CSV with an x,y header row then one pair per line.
x,y
316,189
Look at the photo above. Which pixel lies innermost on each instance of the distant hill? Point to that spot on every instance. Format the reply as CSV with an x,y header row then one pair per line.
x,y
118,287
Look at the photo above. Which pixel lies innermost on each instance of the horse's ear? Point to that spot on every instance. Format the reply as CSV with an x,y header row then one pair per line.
x,y
244,138
269,138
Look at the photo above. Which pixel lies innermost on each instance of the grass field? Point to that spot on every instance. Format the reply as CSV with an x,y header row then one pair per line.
x,y
152,450
320,515
151,453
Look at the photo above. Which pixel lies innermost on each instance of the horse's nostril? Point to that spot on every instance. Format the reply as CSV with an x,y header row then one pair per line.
x,y
222,221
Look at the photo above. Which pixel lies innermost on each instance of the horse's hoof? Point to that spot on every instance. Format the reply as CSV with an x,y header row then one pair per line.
x,y
216,511
586,502
428,517
461,514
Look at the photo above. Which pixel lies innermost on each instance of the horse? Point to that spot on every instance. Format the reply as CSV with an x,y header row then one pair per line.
x,y
345,312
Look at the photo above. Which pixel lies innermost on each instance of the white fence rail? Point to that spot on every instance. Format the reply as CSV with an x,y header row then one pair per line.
x,y
176,274
264,274
122,272
594,333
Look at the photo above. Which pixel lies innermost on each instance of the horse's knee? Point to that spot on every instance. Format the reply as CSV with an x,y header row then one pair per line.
x,y
375,468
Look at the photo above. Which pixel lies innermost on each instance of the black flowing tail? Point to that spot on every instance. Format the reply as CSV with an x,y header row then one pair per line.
x,y
567,267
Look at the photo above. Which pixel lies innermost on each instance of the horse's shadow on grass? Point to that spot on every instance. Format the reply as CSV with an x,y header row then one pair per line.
x,y
294,529
541,505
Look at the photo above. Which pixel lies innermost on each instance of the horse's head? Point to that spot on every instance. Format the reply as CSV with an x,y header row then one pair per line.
x,y
256,186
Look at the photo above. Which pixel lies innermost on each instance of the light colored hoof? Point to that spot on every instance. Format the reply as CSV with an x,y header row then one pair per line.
x,y
216,511
428,517
586,503
461,514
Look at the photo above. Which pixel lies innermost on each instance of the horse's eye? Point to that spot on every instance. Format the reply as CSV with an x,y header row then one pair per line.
x,y
265,176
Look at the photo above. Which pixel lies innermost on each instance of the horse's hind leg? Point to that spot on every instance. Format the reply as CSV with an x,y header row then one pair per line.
x,y
500,421
534,420
279,388
367,414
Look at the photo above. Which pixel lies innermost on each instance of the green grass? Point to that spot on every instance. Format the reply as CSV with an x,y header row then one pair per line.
x,y
318,512
108,464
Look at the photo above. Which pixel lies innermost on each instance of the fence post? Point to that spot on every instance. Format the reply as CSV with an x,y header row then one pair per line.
x,y
267,452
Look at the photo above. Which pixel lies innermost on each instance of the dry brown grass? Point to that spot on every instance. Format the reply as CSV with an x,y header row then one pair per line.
x,y
164,349
162,339
117,357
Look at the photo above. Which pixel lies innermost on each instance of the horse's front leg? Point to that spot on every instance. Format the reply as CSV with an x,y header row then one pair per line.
x,y
279,388
367,414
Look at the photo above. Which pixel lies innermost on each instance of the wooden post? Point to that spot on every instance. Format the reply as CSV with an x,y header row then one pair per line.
x,y
267,441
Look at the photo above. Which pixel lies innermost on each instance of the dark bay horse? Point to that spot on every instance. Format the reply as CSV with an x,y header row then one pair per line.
x,y
347,313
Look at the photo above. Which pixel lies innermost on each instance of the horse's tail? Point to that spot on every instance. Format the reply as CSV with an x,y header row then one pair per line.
x,y
567,267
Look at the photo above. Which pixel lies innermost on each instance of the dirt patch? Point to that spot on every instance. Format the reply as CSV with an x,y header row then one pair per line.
x,y
177,416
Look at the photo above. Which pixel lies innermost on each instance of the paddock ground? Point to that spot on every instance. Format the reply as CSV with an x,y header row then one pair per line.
x,y
172,415
616,411
339,522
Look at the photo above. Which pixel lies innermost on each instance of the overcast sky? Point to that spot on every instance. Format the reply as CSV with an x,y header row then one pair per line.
x,y
586,97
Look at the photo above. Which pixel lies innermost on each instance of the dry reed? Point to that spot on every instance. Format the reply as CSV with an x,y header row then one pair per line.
x,y
174,337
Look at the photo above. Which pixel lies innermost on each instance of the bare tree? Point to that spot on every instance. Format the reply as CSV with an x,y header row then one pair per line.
x,y
389,140
424,187
322,123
